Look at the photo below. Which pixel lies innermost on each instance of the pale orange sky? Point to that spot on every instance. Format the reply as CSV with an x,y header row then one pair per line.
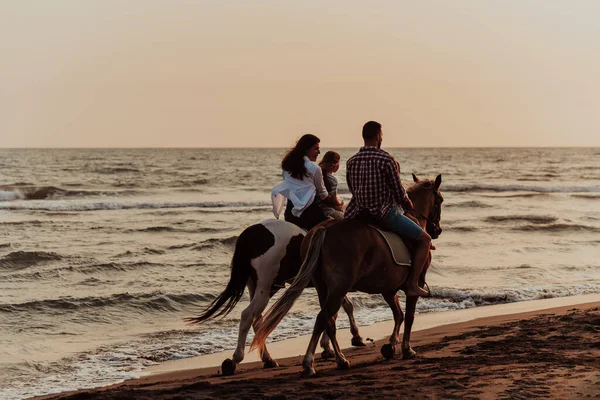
x,y
149,73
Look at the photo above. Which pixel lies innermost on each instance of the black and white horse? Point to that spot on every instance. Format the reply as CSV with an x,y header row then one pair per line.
x,y
266,256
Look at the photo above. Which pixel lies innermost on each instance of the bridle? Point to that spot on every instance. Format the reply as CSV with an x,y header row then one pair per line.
x,y
435,212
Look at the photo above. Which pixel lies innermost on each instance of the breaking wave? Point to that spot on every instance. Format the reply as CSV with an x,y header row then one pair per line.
x,y
447,299
31,192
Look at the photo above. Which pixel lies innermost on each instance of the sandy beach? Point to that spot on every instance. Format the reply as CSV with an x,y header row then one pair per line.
x,y
524,350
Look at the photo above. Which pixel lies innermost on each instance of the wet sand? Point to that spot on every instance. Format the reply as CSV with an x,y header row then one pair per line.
x,y
550,353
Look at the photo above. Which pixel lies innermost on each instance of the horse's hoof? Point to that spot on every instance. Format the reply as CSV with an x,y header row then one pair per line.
x,y
357,341
228,367
270,364
327,353
408,354
308,372
344,364
388,350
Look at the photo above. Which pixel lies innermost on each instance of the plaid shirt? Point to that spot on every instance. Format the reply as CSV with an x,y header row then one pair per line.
x,y
373,178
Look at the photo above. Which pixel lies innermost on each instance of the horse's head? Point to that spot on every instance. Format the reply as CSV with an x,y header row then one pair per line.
x,y
427,200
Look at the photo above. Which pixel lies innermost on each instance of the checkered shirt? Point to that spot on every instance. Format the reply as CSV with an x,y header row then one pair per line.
x,y
373,177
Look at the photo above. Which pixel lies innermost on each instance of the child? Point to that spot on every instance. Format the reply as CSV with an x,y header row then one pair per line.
x,y
333,206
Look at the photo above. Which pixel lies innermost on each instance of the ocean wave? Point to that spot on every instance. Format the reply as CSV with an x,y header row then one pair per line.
x,y
144,302
536,219
34,222
8,195
149,250
519,188
587,196
181,246
86,269
64,205
468,204
32,192
24,259
237,210
447,299
213,242
18,192
116,170
517,195
155,229
463,228
563,227
112,266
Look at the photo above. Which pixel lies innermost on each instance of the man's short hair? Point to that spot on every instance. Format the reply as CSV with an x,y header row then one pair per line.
x,y
370,130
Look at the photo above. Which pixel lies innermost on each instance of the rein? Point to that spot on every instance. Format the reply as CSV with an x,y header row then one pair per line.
x,y
427,219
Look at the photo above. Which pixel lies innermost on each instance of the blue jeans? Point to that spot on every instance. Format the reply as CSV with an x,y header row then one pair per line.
x,y
398,223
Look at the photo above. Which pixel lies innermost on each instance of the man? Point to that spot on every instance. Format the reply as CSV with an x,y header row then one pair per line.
x,y
373,178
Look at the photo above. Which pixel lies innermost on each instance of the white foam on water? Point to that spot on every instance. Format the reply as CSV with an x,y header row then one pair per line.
x,y
8,195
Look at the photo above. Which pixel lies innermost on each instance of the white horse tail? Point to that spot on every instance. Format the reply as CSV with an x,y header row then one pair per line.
x,y
289,297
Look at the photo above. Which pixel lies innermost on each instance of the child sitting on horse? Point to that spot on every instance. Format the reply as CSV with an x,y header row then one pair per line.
x,y
330,164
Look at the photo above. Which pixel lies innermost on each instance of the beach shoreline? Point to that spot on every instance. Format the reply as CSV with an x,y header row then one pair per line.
x,y
435,336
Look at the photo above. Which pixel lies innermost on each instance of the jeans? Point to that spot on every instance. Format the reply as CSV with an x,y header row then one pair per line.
x,y
398,223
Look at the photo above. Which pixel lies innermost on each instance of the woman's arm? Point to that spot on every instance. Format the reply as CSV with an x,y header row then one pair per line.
x,y
320,184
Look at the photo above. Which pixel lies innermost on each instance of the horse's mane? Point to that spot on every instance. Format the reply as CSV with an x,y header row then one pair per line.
x,y
423,184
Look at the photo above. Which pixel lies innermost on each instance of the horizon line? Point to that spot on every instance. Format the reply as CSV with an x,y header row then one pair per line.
x,y
287,147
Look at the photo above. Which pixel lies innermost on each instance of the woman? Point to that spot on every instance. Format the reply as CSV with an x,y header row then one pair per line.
x,y
302,185
330,164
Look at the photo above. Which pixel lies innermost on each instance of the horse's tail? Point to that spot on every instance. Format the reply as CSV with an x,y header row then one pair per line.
x,y
240,273
286,301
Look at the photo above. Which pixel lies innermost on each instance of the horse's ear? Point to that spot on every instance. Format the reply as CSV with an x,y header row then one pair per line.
x,y
415,179
438,182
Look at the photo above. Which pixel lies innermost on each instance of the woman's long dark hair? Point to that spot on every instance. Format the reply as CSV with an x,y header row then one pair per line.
x,y
293,162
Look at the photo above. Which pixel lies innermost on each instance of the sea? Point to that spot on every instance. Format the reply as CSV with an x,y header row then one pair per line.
x,y
104,252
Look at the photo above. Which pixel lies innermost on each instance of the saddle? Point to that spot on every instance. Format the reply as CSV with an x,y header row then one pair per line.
x,y
401,252
398,249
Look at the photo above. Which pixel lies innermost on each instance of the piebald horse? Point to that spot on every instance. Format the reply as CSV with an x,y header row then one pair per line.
x,y
349,255
266,256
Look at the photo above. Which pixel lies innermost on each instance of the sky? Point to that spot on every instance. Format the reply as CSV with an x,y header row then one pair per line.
x,y
260,73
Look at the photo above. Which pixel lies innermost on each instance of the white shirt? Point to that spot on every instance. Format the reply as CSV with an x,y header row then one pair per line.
x,y
301,192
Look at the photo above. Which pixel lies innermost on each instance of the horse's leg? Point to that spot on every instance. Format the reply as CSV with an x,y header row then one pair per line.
x,y
324,317
357,340
325,344
411,306
394,303
332,305
307,362
259,300
388,350
268,361
349,309
327,350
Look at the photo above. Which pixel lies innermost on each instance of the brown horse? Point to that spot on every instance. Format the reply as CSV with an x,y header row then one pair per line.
x,y
348,255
